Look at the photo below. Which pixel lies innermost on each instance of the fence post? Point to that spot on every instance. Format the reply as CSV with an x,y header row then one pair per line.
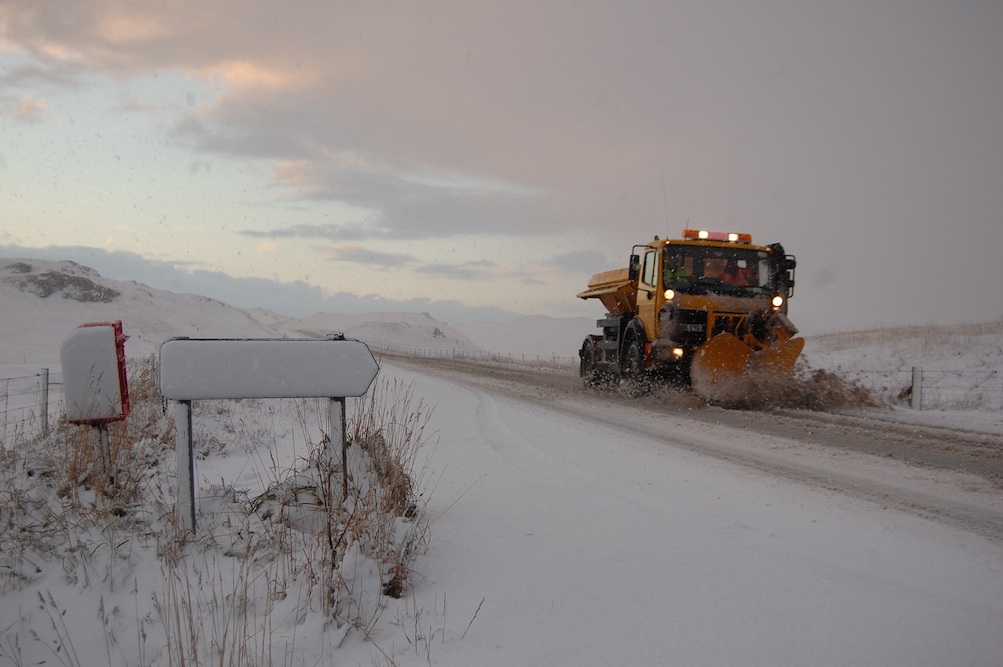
x,y
917,388
43,409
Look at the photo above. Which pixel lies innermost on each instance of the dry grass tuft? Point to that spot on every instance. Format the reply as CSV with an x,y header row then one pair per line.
x,y
389,429
389,425
71,509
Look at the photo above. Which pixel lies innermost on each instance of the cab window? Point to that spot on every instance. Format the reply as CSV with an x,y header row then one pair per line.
x,y
649,273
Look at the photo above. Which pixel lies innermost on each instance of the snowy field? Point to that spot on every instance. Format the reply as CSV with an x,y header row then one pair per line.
x,y
552,539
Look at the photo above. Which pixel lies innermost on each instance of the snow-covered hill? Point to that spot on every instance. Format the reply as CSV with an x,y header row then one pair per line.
x,y
385,331
42,301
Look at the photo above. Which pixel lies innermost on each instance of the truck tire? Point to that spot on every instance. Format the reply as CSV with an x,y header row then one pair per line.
x,y
633,363
636,380
587,355
591,376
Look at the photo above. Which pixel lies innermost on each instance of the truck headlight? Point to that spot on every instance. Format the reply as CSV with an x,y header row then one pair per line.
x,y
778,301
670,294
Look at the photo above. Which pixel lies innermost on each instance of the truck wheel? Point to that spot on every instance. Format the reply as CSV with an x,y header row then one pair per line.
x,y
636,380
588,360
632,362
633,368
591,377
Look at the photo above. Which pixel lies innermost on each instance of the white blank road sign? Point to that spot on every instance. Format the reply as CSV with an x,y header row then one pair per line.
x,y
201,368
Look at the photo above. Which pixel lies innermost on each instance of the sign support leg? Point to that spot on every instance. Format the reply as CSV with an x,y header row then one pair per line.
x,y
104,452
182,411
337,411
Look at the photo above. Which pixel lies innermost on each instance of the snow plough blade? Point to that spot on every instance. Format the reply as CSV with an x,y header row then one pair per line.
x,y
718,363
723,362
778,359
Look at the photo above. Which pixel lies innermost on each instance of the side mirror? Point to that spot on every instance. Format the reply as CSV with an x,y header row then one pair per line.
x,y
790,263
634,268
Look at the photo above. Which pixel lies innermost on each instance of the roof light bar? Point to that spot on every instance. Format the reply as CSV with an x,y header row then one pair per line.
x,y
732,237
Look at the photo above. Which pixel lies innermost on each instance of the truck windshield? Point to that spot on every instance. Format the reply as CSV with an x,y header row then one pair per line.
x,y
724,268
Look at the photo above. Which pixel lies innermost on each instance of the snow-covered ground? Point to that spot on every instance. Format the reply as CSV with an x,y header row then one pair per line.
x,y
554,537
592,547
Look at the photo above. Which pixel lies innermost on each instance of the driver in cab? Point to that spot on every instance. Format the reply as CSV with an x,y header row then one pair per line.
x,y
737,273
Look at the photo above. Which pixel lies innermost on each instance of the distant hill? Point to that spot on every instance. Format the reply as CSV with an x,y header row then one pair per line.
x,y
417,331
535,336
42,301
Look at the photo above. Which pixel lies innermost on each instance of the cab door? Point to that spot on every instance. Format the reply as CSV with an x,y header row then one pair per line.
x,y
648,289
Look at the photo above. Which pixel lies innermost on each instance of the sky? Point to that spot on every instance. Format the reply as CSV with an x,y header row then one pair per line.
x,y
482,160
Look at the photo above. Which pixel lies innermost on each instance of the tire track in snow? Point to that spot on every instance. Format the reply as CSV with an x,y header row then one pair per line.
x,y
518,451
791,453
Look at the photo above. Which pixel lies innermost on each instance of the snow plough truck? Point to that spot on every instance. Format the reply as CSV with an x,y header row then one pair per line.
x,y
706,311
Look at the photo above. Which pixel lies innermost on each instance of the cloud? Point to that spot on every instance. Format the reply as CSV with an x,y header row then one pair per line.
x,y
401,204
299,104
246,74
584,261
21,76
329,231
579,129
479,270
356,253
30,75
29,110
235,140
123,27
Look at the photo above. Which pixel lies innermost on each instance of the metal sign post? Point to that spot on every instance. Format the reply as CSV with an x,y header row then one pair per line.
x,y
206,368
182,413
336,410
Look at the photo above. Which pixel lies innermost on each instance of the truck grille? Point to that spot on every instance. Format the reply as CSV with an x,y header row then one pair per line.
x,y
689,327
727,323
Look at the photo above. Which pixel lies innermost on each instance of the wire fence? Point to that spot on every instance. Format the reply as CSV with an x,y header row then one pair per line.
x,y
476,355
938,389
968,389
30,403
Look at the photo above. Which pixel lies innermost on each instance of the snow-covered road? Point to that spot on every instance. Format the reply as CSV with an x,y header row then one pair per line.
x,y
558,539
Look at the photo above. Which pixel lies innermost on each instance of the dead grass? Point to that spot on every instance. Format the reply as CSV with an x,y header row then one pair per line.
x,y
69,509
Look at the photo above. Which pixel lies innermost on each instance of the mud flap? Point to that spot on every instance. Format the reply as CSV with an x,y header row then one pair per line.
x,y
721,361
